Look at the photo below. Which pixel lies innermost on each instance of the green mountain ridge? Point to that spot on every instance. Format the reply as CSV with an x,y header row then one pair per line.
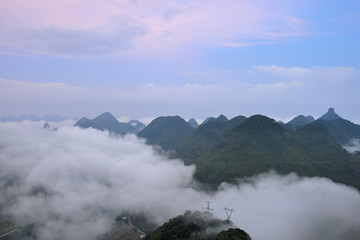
x,y
106,121
166,132
343,131
204,137
298,122
330,115
220,118
226,150
260,144
192,122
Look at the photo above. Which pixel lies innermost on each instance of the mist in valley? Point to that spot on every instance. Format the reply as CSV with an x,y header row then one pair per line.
x,y
74,182
353,146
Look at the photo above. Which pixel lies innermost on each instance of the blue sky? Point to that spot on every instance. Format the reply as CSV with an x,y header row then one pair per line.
x,y
138,58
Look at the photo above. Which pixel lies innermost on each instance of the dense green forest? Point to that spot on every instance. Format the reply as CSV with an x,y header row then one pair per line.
x,y
197,226
225,150
260,145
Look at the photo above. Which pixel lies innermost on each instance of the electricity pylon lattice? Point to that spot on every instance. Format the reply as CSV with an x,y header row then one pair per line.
x,y
208,209
228,212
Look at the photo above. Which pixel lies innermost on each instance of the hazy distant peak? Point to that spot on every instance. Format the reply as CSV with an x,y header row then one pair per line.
x,y
222,118
137,124
133,122
192,122
330,115
301,120
260,122
106,115
310,118
33,117
106,121
82,121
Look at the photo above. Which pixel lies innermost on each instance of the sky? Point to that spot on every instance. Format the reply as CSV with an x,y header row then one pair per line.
x,y
192,58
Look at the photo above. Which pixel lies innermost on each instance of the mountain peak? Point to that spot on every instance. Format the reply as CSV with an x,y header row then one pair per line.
x,y
106,121
330,115
260,122
301,120
192,122
222,118
166,132
106,115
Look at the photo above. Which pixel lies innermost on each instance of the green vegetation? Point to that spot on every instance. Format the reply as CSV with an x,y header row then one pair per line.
x,y
166,132
232,234
140,221
204,137
225,150
297,122
6,223
197,226
341,130
260,144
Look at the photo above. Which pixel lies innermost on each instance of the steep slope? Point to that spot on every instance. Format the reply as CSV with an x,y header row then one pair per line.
x,y
204,137
345,130
298,122
340,129
220,118
106,121
192,122
166,132
260,144
137,124
197,226
330,115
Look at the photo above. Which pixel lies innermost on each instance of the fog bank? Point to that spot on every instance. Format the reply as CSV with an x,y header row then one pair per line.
x,y
353,146
74,182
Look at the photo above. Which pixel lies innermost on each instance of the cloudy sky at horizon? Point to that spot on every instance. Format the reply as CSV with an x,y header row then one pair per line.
x,y
192,58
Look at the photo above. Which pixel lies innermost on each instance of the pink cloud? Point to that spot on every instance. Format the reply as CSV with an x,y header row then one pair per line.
x,y
169,26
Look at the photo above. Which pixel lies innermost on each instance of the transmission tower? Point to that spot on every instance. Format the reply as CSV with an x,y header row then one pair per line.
x,y
228,212
208,209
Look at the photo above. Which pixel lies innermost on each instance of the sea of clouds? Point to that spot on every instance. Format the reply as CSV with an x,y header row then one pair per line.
x,y
73,183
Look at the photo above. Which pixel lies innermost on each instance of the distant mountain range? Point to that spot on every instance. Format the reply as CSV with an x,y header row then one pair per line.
x,y
340,129
33,117
107,121
260,144
220,118
298,122
224,150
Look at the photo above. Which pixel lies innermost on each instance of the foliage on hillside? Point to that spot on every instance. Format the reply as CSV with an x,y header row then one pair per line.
x,y
260,145
197,226
341,130
204,137
166,132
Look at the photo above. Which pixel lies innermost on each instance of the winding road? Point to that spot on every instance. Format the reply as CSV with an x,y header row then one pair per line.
x,y
8,232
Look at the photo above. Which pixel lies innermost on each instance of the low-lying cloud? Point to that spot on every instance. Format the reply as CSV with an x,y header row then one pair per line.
x,y
353,146
74,182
